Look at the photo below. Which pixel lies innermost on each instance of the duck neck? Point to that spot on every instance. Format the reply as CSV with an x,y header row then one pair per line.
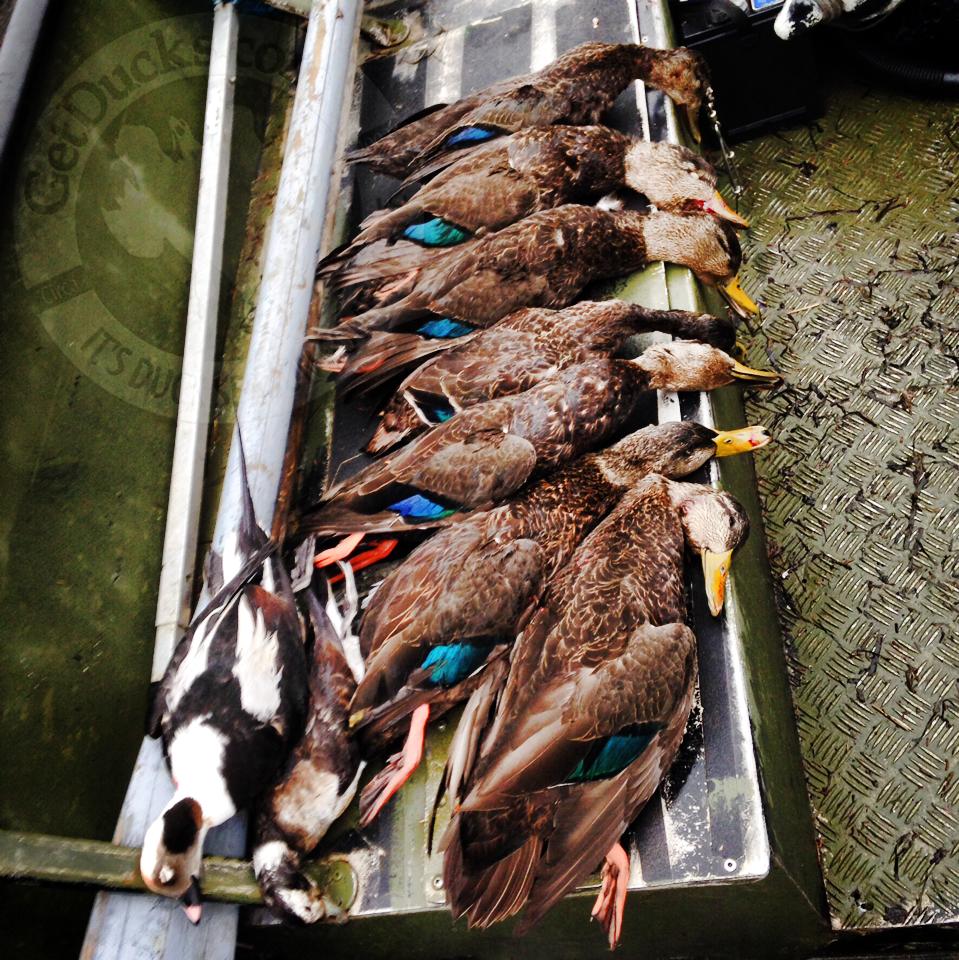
x,y
627,461
667,237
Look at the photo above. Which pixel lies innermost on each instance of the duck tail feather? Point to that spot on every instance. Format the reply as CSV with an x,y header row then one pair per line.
x,y
386,438
378,261
363,325
430,167
491,893
382,144
385,355
334,260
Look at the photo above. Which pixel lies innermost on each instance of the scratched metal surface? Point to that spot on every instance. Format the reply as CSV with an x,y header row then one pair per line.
x,y
853,252
707,824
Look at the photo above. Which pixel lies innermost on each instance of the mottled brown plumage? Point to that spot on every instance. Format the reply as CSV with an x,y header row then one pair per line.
x,y
523,349
484,454
605,658
431,597
546,260
576,88
502,183
473,583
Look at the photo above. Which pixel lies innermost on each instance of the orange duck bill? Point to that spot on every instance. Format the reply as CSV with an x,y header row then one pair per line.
x,y
718,207
738,299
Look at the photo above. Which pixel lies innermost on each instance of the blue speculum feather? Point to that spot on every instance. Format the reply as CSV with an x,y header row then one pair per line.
x,y
470,135
454,662
614,756
444,329
438,412
436,233
418,507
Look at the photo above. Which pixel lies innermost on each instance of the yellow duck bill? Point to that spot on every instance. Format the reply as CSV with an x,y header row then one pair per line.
x,y
738,299
731,442
764,378
718,207
715,573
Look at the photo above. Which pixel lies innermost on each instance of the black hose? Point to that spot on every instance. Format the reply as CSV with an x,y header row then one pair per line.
x,y
921,76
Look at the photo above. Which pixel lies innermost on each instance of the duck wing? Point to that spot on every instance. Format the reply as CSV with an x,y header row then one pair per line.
x,y
591,747
491,363
589,820
544,260
471,459
459,464
451,634
525,105
477,194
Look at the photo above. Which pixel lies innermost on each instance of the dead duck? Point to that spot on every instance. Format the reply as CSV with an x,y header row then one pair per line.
x,y
229,706
458,600
534,170
481,456
518,352
320,777
576,88
599,691
546,260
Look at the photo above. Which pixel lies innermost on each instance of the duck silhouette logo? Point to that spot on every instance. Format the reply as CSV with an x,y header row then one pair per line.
x,y
153,188
107,192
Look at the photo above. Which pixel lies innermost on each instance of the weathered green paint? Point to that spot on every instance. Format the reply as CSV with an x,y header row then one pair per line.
x,y
32,856
86,432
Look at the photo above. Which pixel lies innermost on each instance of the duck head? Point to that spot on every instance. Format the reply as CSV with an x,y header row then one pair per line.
x,y
684,365
675,450
682,75
707,246
675,179
714,523
172,854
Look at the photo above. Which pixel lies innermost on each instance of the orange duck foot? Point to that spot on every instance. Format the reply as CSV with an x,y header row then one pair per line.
x,y
610,905
399,768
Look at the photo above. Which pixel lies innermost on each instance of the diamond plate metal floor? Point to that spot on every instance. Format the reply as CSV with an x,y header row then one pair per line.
x,y
853,254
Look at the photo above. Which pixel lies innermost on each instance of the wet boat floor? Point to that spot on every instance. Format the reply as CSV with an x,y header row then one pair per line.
x,y
853,254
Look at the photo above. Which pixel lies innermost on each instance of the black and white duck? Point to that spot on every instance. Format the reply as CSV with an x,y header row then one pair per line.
x,y
229,706
319,779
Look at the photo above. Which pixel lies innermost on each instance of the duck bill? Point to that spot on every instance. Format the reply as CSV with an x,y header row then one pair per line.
x,y
738,299
718,207
192,902
730,442
715,572
763,378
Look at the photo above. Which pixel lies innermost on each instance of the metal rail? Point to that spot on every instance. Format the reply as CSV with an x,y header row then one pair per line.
x,y
143,927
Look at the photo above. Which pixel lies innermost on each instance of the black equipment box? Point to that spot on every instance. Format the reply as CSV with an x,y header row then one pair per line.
x,y
760,81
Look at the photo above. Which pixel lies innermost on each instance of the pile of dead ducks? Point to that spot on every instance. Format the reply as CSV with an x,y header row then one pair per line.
x,y
545,588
